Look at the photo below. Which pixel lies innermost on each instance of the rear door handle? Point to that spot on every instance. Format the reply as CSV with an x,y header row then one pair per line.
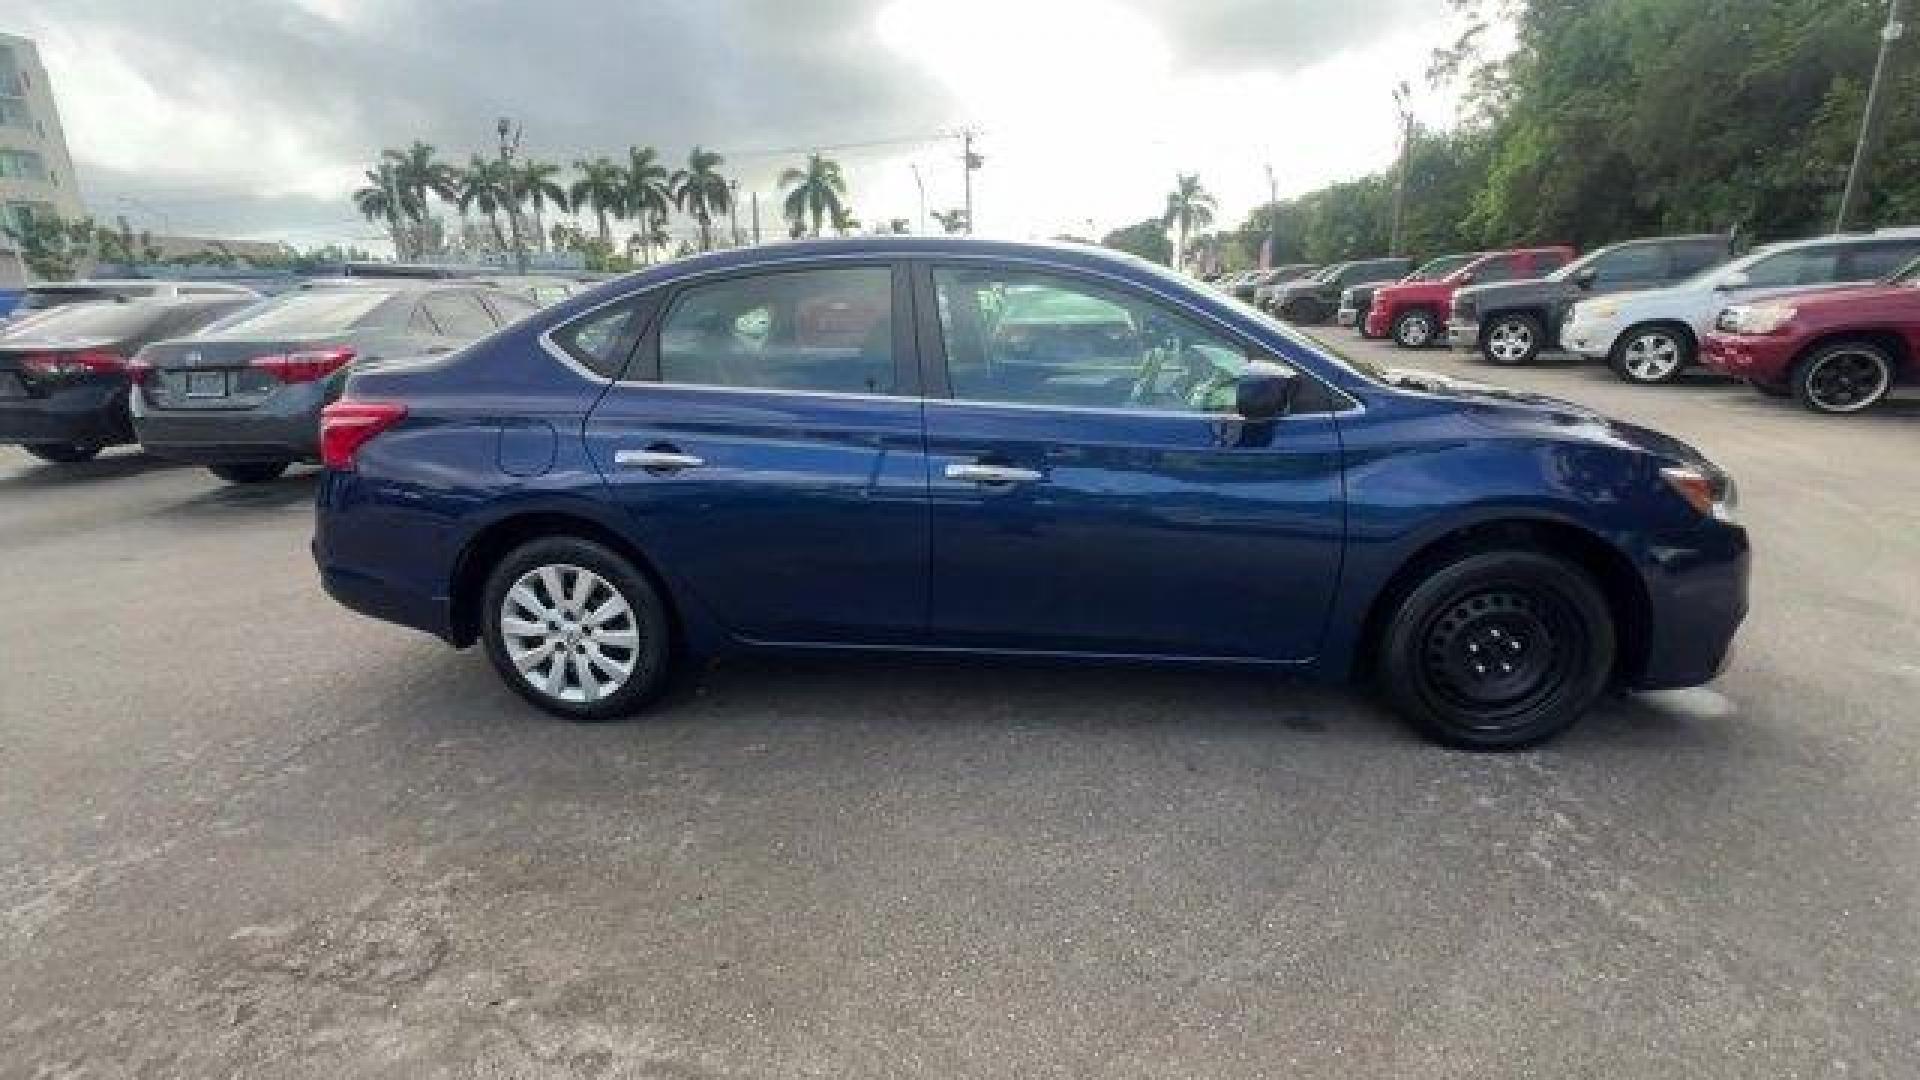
x,y
991,474
661,461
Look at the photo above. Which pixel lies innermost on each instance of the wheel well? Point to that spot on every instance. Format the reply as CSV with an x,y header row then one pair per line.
x,y
497,540
1619,582
1895,345
1489,318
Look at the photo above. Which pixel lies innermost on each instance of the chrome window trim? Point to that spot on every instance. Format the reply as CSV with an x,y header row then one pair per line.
x,y
546,341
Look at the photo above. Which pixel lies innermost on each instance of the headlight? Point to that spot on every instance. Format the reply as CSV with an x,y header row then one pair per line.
x,y
1601,310
1712,493
1346,298
1755,319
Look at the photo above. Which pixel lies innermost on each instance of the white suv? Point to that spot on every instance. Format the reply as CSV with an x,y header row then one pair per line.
x,y
1652,336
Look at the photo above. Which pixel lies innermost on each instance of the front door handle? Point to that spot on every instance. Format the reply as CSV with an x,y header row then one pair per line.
x,y
658,461
991,474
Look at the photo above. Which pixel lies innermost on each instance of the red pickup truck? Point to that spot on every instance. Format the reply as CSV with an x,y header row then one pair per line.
x,y
1415,311
1836,351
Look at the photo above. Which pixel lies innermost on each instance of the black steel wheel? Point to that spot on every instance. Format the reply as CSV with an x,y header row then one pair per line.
x,y
1845,377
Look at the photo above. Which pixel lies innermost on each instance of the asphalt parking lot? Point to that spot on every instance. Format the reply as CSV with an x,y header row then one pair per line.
x,y
246,833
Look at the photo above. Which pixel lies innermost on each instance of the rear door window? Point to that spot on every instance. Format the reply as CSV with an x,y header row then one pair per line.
x,y
1797,266
821,331
1871,262
1640,262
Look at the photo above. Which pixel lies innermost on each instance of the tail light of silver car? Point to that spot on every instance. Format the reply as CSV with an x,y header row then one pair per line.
x,y
60,365
309,365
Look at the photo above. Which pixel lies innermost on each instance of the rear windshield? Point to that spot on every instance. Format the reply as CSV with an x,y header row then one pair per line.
x,y
303,313
97,319
41,299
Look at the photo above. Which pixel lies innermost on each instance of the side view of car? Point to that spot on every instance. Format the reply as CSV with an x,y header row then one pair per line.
x,y
243,397
1837,352
958,446
1313,300
1414,313
1280,277
1511,323
1653,336
1357,300
67,372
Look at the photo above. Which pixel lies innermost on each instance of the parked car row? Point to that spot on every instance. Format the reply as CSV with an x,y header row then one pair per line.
x,y
1833,321
216,375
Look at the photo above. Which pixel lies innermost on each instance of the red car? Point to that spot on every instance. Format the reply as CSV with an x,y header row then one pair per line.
x,y
1836,351
1415,311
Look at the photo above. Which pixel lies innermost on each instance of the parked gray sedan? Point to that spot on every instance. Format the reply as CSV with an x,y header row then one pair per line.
x,y
243,397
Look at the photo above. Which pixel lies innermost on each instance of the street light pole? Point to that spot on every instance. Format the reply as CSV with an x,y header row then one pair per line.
x,y
1273,220
969,161
1402,97
509,146
922,185
1874,115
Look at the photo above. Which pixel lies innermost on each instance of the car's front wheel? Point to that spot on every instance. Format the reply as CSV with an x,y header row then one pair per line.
x,y
1414,329
249,472
1651,355
1845,377
64,453
1498,650
1511,340
576,629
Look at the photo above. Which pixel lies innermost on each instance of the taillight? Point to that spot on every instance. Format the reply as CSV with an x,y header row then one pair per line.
x,y
346,426
306,366
139,369
82,362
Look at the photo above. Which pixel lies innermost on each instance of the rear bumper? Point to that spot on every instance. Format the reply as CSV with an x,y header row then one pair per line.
x,y
1756,359
382,600
278,431
1698,599
81,414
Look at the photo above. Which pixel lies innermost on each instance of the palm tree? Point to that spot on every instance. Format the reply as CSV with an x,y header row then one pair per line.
x,y
535,185
657,234
700,190
1189,207
647,194
483,186
380,200
951,221
419,174
819,192
602,186
843,220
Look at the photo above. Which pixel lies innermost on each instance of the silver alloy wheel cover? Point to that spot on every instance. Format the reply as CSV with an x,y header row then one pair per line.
x,y
1418,330
1866,400
1651,356
1510,340
570,633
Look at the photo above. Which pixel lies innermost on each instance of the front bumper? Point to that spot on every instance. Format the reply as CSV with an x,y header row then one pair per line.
x,y
1591,338
1754,358
92,414
1698,599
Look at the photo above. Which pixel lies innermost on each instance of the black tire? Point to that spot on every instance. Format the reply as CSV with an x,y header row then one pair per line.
x,y
1652,355
63,453
1415,328
249,472
650,656
1773,390
1843,378
1544,609
1360,326
1512,340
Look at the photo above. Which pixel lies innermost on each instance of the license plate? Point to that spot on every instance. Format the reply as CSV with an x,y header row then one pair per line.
x,y
206,384
11,386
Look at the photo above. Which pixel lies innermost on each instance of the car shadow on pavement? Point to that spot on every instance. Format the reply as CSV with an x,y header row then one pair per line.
x,y
221,497
35,474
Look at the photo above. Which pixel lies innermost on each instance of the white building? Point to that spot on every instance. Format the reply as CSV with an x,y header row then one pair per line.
x,y
36,173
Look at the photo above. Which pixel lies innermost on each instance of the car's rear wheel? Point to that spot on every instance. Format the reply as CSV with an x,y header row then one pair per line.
x,y
249,472
1414,329
1498,650
64,453
576,629
1511,340
1845,377
1651,355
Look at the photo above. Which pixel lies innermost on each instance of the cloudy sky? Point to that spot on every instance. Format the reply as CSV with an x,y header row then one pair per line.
x,y
254,118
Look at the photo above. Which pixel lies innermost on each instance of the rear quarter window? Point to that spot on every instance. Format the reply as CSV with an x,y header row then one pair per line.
x,y
603,341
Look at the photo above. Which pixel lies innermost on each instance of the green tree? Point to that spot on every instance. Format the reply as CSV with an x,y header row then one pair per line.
x,y
1147,239
819,193
534,185
1189,209
486,186
418,174
701,191
951,221
380,200
602,188
647,195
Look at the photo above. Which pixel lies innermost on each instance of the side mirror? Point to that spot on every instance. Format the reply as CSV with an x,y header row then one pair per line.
x,y
1264,392
1739,279
1586,277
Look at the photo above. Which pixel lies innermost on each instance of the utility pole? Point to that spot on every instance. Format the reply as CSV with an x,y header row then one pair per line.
x,y
510,146
922,185
1273,221
1875,113
756,219
969,161
1403,99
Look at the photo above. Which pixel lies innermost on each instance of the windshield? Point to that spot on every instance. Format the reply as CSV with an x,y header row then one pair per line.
x,y
1435,269
303,313
42,299
95,319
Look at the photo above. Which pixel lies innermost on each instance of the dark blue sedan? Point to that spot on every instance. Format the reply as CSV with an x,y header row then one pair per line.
x,y
953,446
